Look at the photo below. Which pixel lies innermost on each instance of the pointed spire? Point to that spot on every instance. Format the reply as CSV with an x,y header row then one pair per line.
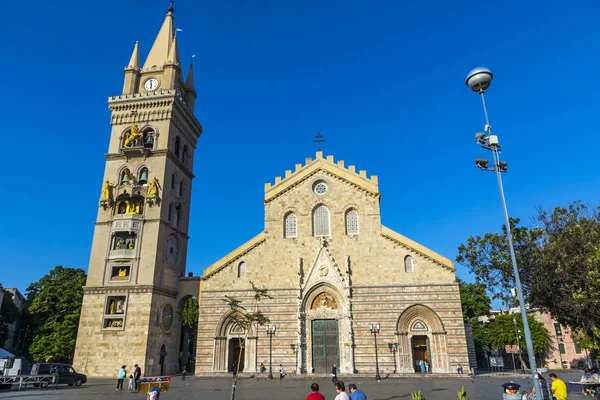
x,y
134,62
159,53
189,81
173,53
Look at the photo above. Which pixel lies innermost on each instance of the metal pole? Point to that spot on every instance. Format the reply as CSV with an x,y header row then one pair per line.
x,y
526,331
376,358
271,355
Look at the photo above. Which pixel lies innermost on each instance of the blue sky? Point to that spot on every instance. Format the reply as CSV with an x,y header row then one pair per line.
x,y
383,81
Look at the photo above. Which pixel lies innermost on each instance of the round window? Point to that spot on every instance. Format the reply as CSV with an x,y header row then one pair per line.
x,y
320,188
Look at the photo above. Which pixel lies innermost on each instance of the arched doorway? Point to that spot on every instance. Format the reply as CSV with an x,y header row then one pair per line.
x,y
421,337
162,360
232,345
325,329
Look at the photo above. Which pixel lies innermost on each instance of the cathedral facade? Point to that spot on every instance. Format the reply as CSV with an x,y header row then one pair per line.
x,y
344,289
334,274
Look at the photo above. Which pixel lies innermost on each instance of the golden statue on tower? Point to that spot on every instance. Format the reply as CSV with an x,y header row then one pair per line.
x,y
132,136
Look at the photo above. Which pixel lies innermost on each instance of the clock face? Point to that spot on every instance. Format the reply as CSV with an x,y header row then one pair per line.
x,y
166,320
151,84
172,250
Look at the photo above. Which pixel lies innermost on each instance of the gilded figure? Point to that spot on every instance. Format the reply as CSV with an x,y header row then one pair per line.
x,y
107,190
153,187
132,136
123,272
111,307
130,244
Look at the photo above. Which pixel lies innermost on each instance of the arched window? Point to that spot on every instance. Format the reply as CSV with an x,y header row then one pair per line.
x,y
408,264
172,181
290,225
178,216
352,222
241,269
143,178
321,221
177,147
180,188
184,155
170,215
126,176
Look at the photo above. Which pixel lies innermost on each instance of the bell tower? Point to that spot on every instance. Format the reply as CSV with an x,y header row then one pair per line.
x,y
140,238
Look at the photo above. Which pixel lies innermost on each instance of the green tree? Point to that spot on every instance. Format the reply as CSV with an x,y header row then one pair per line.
x,y
559,264
246,319
190,325
475,301
55,303
501,332
9,313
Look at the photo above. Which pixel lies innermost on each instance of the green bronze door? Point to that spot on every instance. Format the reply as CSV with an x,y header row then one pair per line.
x,y
325,345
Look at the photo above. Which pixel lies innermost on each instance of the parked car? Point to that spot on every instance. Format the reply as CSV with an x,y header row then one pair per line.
x,y
66,374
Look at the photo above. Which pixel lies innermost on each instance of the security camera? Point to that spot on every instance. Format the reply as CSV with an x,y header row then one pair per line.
x,y
481,163
502,166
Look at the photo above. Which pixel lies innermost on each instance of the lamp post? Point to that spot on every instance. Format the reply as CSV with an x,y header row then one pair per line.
x,y
295,349
375,331
393,348
478,80
271,331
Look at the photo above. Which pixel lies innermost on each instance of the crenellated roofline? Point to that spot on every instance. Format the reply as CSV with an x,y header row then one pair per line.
x,y
310,167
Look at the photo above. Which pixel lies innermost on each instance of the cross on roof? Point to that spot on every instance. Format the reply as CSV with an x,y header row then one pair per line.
x,y
319,138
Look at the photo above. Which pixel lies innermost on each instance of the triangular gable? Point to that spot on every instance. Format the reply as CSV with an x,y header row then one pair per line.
x,y
411,245
233,256
324,269
311,167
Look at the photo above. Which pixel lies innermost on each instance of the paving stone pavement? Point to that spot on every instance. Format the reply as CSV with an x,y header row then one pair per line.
x,y
434,388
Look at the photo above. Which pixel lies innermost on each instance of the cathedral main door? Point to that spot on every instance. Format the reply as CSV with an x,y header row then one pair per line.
x,y
325,345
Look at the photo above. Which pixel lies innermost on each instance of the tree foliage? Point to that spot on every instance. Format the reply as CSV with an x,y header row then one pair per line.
x,y
55,303
9,313
475,301
501,331
559,264
190,313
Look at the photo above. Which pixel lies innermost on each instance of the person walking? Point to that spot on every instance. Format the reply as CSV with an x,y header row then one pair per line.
x,y
315,395
422,366
334,374
281,372
234,369
340,389
121,377
184,373
130,384
356,394
559,388
137,374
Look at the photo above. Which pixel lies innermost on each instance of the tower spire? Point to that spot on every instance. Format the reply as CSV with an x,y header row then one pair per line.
x,y
173,57
161,49
189,81
134,61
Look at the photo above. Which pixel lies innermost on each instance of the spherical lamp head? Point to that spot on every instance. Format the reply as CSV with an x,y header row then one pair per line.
x,y
479,79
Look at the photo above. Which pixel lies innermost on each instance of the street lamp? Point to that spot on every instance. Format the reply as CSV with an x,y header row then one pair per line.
x,y
295,349
271,331
375,331
393,348
478,80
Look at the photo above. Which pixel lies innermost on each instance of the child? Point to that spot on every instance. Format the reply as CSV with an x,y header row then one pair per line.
x,y
130,386
524,395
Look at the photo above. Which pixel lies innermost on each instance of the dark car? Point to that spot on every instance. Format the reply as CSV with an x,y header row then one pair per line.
x,y
66,373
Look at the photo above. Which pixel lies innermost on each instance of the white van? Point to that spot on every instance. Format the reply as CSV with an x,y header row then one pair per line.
x,y
11,366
